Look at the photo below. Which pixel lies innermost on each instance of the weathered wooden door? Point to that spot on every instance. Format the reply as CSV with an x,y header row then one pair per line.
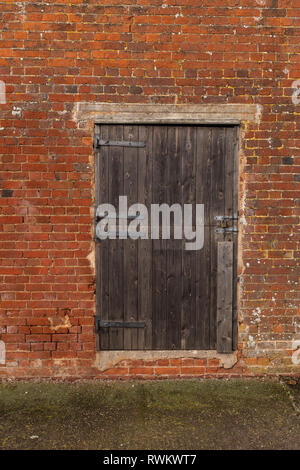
x,y
154,294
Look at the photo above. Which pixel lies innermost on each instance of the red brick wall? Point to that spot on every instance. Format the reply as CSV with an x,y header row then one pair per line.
x,y
57,53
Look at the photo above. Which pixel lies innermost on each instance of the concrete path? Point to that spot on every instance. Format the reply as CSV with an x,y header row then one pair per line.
x,y
203,414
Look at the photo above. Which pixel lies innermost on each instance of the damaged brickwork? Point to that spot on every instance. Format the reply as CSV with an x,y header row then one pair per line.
x,y
56,55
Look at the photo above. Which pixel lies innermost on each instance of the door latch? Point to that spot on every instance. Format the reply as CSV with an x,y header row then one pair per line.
x,y
227,223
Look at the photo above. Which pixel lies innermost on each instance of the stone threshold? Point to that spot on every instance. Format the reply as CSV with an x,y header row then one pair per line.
x,y
109,359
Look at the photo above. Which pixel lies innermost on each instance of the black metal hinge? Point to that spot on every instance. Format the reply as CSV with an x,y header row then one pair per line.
x,y
117,324
116,143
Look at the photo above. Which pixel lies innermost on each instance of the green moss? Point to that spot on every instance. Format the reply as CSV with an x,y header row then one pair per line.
x,y
210,414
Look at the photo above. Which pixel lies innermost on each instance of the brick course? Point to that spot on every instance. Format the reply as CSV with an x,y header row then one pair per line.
x,y
57,53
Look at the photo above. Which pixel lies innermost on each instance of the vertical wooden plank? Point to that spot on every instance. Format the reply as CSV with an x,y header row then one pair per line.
x,y
231,208
188,148
145,246
102,253
224,297
159,270
130,133
228,171
116,260
217,203
173,247
235,184
203,256
228,181
217,207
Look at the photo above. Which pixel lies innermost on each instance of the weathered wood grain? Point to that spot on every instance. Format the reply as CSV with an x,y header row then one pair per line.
x,y
176,293
224,297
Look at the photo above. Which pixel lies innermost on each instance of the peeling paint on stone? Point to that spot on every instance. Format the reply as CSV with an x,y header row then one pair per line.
x,y
2,92
91,258
258,113
296,92
57,323
17,112
2,352
296,353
